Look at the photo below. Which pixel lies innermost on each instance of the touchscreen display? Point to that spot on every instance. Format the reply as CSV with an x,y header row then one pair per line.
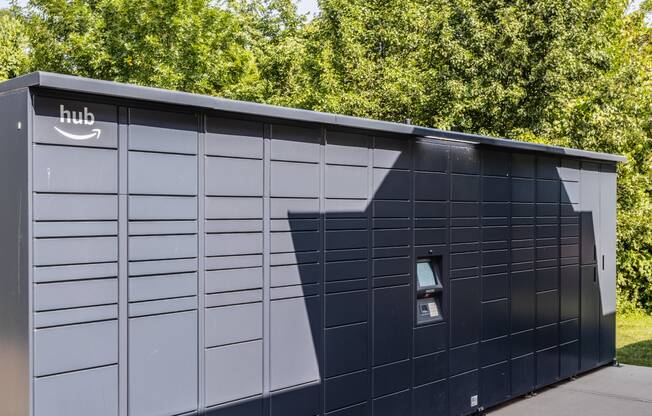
x,y
425,274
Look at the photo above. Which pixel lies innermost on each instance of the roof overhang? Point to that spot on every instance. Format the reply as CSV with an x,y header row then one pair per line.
x,y
133,92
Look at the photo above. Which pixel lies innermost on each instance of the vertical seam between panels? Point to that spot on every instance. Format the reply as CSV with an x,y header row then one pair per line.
x,y
266,201
201,236
322,261
123,260
371,143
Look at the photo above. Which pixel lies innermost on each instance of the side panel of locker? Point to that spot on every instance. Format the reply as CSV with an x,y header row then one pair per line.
x,y
570,270
607,262
14,284
590,223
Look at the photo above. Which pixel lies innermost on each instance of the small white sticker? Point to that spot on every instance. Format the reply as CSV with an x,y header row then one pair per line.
x,y
474,400
434,310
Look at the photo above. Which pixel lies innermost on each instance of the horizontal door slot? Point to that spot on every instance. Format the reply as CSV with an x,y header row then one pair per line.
x,y
61,207
75,316
75,170
75,347
142,268
157,307
62,251
81,393
162,287
75,229
75,272
80,293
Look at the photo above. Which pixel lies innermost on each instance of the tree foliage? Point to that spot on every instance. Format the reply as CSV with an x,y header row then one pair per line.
x,y
13,45
572,73
190,45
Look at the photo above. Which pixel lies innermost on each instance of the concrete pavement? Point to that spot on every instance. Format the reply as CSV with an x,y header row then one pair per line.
x,y
609,391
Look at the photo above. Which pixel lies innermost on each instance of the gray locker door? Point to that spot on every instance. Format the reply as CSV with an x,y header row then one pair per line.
x,y
163,364
607,262
590,302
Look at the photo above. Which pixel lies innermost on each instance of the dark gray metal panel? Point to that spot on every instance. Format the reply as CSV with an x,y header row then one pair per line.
x,y
142,268
60,251
233,324
75,272
223,180
230,262
14,251
62,295
346,182
81,393
230,280
75,169
162,247
607,262
162,131
75,347
162,208
590,206
75,229
163,364
233,298
294,360
346,149
230,207
590,319
233,244
294,180
164,306
591,247
234,138
62,207
202,301
151,174
233,372
162,286
75,315
297,144
141,228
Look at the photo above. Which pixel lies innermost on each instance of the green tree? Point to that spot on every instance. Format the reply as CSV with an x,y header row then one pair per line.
x,y
574,73
189,45
14,58
551,71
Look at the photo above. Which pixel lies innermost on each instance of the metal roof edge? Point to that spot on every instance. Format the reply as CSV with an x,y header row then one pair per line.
x,y
135,92
24,81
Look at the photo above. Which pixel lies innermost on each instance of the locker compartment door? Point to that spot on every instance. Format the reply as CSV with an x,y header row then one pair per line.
x,y
590,318
163,364
607,262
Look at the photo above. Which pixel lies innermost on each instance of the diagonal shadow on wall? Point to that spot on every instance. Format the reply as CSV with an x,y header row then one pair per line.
x,y
526,302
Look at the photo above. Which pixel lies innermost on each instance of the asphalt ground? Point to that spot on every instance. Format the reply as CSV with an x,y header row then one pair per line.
x,y
608,391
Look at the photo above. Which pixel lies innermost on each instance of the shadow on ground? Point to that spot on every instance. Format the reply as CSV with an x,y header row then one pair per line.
x,y
637,353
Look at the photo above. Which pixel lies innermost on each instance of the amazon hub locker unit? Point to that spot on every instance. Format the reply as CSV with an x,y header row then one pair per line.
x,y
164,253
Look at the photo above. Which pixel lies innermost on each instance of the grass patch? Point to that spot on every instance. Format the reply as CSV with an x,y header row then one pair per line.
x,y
634,338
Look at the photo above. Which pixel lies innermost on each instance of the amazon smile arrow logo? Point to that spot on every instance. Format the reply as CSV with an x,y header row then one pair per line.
x,y
95,134
85,117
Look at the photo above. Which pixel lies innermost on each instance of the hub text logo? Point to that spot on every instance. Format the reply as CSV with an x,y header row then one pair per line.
x,y
84,117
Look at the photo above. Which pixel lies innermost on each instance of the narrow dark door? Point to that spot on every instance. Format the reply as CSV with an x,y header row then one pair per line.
x,y
607,263
590,299
590,322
